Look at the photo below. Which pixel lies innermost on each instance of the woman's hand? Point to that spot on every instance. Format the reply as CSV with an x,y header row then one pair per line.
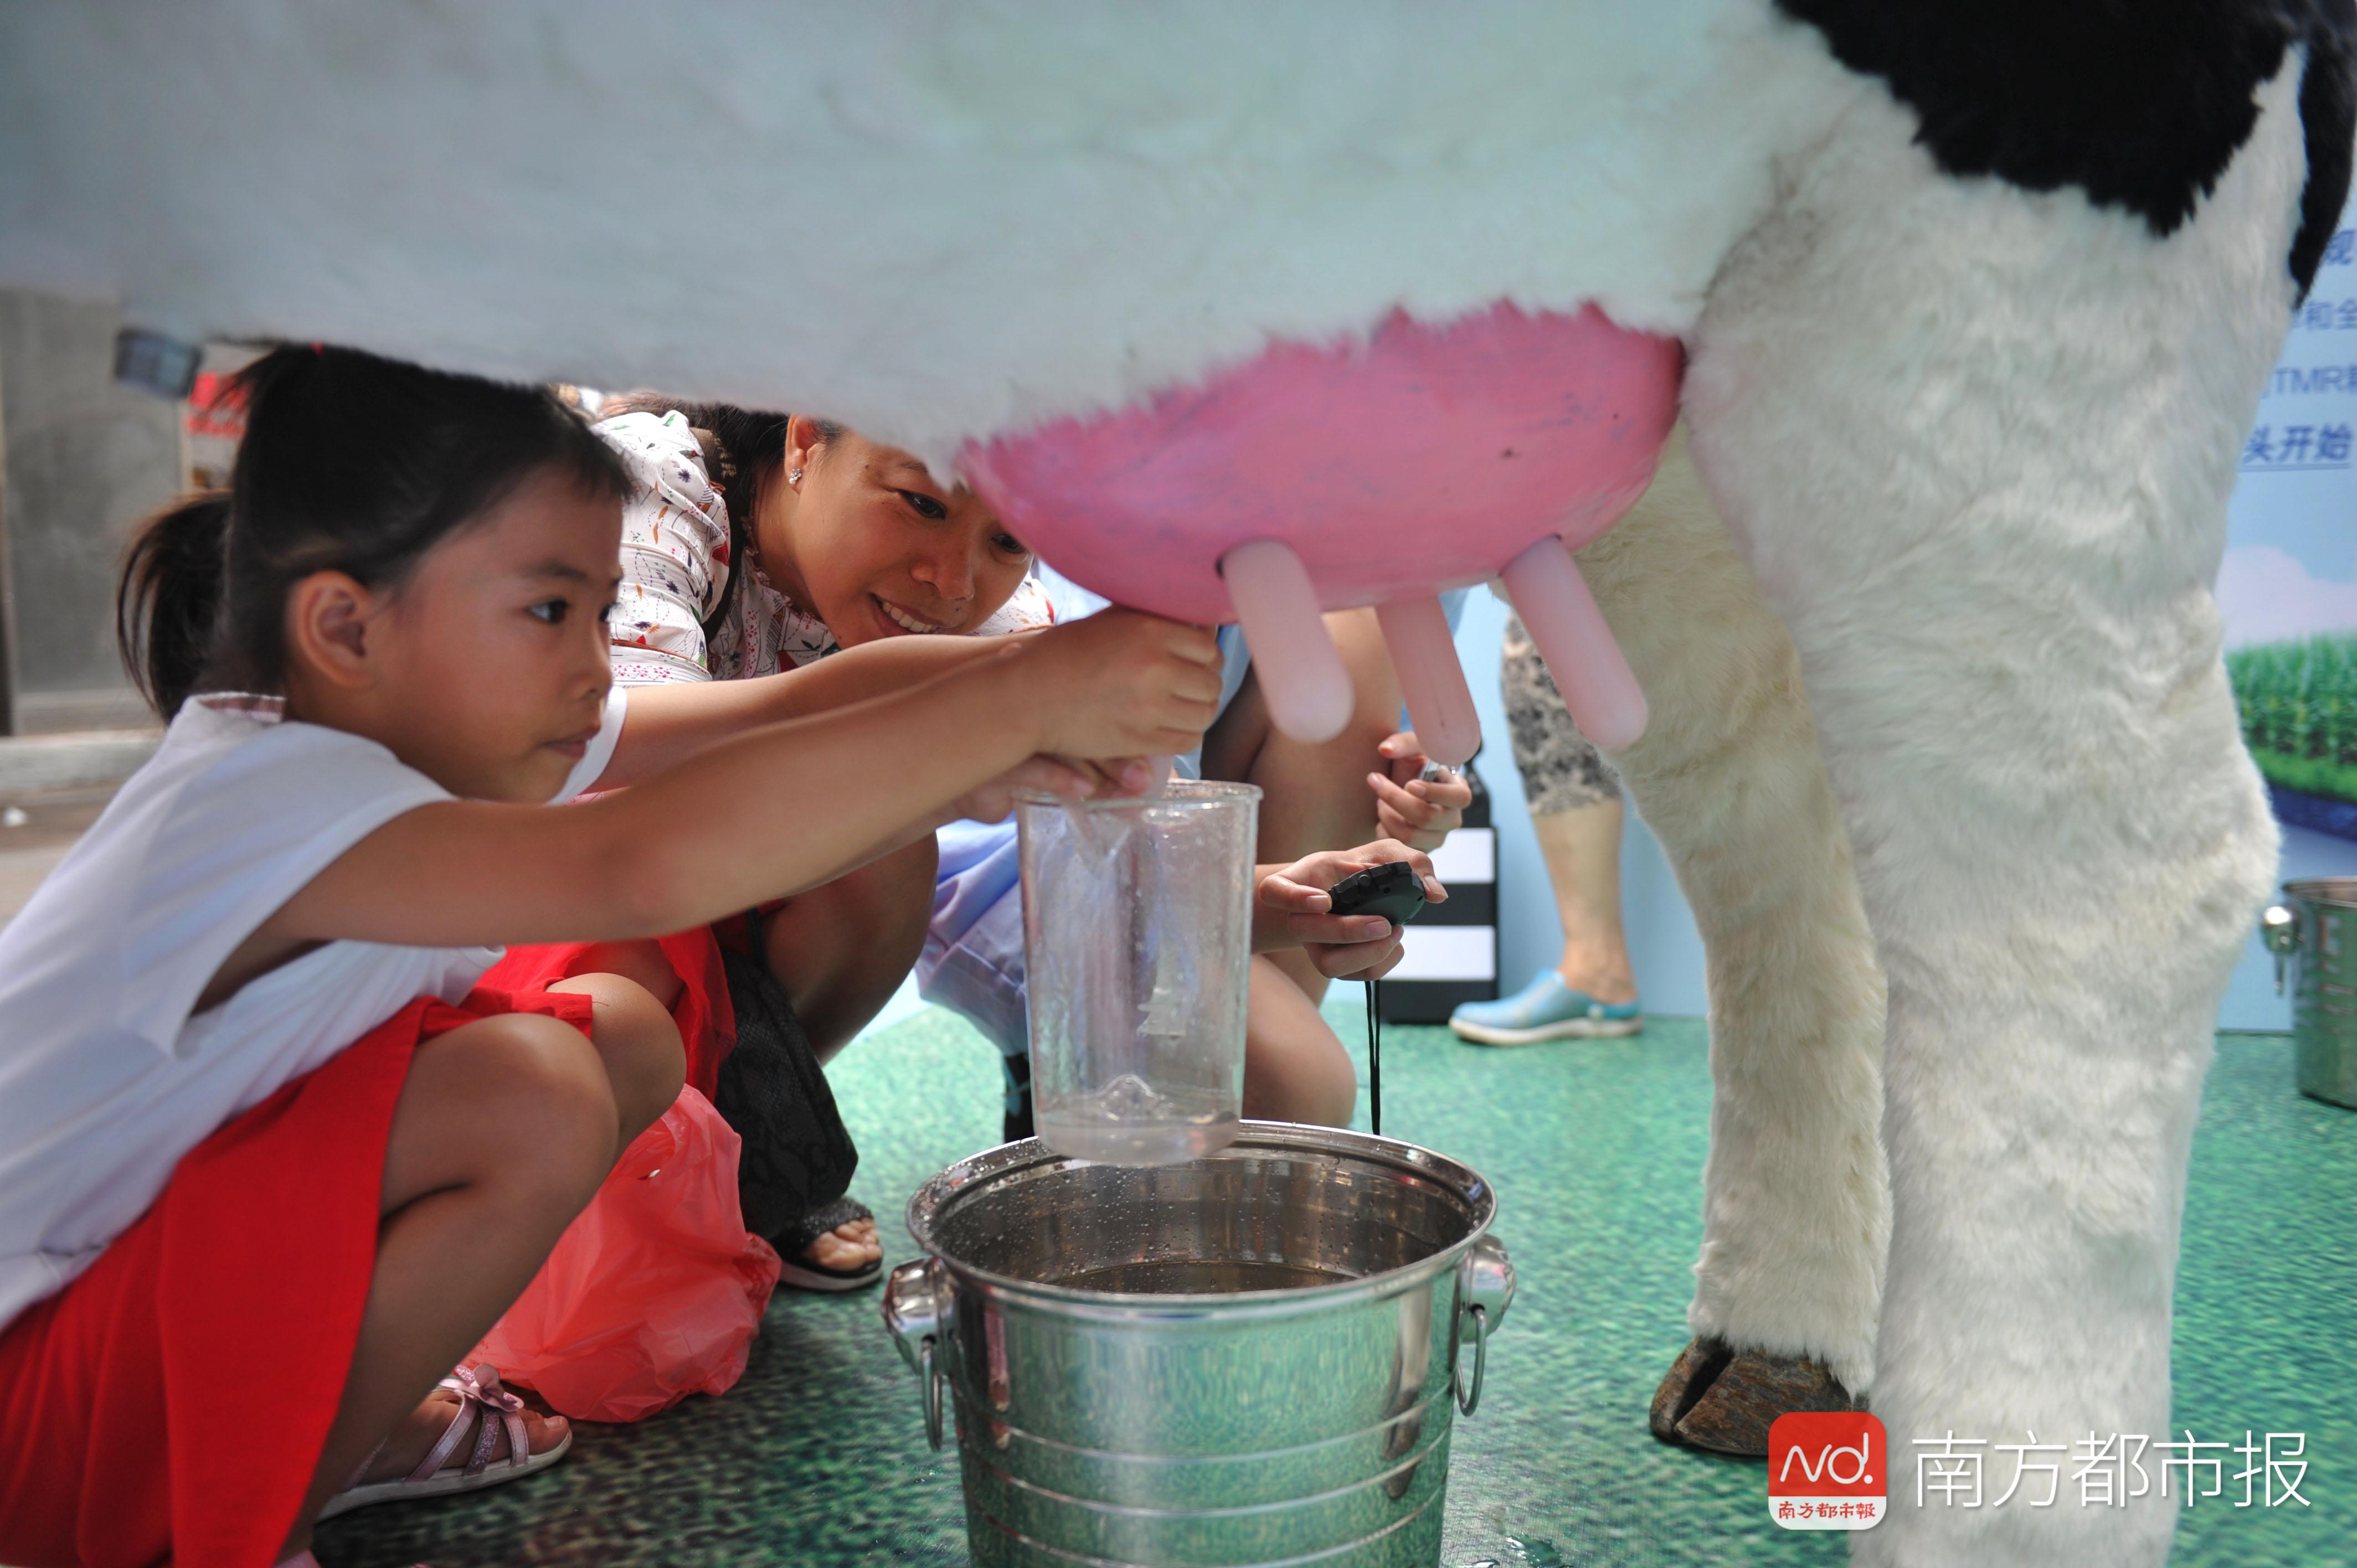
x,y
1294,909
1121,684
1412,809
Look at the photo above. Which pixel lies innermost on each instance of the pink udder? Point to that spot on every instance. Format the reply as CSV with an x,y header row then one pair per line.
x,y
1424,458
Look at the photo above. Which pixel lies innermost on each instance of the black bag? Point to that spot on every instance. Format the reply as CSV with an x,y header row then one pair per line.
x,y
798,1156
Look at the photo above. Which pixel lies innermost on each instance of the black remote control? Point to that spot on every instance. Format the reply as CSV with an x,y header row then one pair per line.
x,y
1395,892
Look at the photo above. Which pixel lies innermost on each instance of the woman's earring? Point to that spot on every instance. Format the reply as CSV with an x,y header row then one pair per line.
x,y
793,476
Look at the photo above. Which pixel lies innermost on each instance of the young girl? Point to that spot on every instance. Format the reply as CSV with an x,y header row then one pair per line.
x,y
268,1163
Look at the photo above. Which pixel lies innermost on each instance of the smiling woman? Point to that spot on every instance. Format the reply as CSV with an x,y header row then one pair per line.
x,y
876,546
773,540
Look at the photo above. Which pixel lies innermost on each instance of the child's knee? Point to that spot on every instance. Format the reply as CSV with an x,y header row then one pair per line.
x,y
642,961
639,1044
1329,1090
1314,1084
1295,1068
542,1086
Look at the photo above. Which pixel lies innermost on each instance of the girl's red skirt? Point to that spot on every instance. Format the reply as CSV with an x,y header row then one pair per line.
x,y
707,1023
171,1402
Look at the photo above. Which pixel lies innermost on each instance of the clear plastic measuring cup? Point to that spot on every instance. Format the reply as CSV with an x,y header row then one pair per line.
x,y
1138,936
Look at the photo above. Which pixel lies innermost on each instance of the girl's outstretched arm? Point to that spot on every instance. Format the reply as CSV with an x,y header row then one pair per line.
x,y
760,816
670,721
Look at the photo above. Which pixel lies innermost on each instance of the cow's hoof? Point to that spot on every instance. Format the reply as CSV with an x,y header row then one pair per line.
x,y
1722,1400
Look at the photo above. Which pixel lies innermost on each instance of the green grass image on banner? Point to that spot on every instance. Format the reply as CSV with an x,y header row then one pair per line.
x,y
2298,704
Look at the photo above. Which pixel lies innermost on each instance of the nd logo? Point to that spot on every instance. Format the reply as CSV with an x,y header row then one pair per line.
x,y
1827,1470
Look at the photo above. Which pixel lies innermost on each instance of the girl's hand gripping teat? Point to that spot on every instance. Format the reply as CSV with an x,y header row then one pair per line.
x,y
1123,685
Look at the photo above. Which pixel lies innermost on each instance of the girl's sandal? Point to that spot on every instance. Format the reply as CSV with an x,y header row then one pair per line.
x,y
479,1395
795,1270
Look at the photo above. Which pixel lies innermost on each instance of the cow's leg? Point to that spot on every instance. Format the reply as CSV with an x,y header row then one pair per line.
x,y
1977,443
1795,1206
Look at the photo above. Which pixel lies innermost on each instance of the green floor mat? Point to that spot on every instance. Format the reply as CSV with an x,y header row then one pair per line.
x,y
818,1458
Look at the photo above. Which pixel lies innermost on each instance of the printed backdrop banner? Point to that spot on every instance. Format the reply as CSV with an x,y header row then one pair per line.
x,y
2289,584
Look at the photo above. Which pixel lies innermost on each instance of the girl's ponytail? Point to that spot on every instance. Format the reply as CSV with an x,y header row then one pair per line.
x,y
167,601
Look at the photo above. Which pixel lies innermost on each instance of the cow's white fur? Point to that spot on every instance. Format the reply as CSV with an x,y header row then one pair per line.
x,y
927,220
1975,444
1796,1207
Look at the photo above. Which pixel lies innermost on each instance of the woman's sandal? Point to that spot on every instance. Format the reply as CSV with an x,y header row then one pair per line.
x,y
795,1270
479,1395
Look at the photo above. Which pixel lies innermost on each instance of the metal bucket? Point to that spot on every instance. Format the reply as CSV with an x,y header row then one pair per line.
x,y
2314,934
1252,1357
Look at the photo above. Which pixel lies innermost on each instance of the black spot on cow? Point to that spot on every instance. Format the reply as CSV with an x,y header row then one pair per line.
x,y
2140,103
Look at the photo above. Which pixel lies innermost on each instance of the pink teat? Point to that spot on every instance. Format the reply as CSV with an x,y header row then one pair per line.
x,y
1423,458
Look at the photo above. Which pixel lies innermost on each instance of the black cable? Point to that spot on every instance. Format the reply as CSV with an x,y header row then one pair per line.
x,y
1393,891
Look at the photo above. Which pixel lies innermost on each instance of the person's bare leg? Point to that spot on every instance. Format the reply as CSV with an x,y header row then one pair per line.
x,y
639,1044
1295,1068
1582,849
840,952
1313,797
639,961
468,1218
851,1246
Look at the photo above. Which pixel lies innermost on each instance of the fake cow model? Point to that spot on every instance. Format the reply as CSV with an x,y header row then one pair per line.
x,y
1974,298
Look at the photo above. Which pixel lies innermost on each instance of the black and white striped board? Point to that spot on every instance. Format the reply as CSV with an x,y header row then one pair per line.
x,y
1451,949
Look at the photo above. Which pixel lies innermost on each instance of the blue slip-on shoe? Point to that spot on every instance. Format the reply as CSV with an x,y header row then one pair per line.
x,y
1546,1009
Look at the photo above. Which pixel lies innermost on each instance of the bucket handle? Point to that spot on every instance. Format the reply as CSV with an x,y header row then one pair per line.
x,y
1485,1288
917,1306
933,1377
2279,930
1468,1398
